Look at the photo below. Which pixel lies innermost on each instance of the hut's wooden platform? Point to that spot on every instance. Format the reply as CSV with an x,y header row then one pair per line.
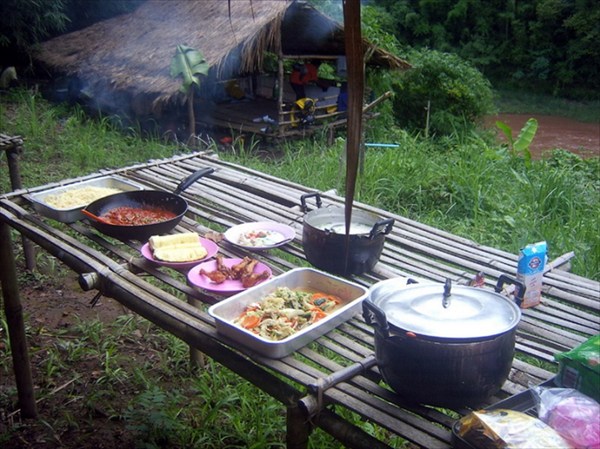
x,y
568,315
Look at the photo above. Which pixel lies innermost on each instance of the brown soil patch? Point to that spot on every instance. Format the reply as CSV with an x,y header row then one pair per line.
x,y
48,311
553,132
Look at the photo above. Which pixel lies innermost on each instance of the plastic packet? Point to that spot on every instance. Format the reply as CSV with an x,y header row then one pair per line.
x,y
571,413
579,368
505,428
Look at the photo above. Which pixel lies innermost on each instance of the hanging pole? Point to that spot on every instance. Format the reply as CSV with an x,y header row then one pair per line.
x,y
356,87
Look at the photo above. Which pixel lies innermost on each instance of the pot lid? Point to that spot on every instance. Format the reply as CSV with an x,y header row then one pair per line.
x,y
469,312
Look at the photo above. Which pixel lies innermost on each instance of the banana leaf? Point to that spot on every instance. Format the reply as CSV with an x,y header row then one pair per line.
x,y
526,136
189,63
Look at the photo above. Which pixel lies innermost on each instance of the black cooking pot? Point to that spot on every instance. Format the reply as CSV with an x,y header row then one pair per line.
x,y
324,238
144,199
443,345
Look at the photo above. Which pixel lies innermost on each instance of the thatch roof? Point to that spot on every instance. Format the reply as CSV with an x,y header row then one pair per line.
x,y
132,52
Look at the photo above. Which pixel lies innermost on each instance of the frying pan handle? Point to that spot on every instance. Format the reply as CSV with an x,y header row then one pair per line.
x,y
192,179
382,227
519,287
374,316
304,197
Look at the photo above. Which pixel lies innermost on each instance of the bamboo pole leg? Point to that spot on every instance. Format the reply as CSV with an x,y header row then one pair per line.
x,y
298,428
12,156
197,358
16,326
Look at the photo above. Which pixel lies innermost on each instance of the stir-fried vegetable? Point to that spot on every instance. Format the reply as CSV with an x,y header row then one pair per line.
x,y
286,311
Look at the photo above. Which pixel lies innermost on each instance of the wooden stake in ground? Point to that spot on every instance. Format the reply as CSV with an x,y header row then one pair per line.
x,y
16,326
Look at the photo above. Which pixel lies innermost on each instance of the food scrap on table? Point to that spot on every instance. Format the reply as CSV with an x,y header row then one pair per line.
x,y
214,236
183,247
285,312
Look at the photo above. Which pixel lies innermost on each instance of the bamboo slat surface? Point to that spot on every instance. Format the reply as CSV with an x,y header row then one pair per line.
x,y
233,194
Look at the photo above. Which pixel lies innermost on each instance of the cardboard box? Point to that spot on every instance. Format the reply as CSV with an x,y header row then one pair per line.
x,y
530,272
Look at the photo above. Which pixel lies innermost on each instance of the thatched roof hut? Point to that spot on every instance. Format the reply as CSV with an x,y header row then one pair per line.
x,y
129,56
133,51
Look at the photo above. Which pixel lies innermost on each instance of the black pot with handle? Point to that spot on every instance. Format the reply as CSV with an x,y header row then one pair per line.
x,y
443,345
324,238
170,202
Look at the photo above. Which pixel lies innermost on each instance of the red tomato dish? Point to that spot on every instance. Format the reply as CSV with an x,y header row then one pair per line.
x,y
133,216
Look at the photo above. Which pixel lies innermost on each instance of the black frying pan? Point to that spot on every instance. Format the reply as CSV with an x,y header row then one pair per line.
x,y
150,199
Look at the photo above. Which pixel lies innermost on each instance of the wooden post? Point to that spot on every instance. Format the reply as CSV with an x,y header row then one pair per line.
x,y
298,428
197,358
13,147
280,81
16,326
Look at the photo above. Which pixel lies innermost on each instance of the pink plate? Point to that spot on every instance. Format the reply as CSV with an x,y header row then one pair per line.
x,y
210,246
229,286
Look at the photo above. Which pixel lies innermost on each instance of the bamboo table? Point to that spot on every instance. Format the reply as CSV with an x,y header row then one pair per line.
x,y
312,387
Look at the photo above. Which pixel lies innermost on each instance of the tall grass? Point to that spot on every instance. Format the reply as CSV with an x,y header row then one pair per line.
x,y
465,184
63,142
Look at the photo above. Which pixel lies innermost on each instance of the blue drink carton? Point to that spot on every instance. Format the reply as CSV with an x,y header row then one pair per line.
x,y
530,271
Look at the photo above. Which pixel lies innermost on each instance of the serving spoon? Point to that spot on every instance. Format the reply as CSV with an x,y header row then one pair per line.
x,y
94,217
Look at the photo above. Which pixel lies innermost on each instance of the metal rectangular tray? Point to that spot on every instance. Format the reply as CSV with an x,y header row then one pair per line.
x,y
310,279
74,213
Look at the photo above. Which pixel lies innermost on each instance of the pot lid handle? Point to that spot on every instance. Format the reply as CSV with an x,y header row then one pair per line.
x,y
304,197
447,293
519,287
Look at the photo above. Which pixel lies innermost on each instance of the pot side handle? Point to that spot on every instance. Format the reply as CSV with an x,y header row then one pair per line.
x,y
519,287
306,196
382,227
374,316
192,179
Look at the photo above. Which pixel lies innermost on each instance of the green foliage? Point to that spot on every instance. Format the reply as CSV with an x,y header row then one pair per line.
x,y
76,137
520,146
465,184
190,64
24,23
378,29
456,92
549,46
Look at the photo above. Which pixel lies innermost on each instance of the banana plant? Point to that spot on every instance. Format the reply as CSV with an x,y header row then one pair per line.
x,y
520,146
190,64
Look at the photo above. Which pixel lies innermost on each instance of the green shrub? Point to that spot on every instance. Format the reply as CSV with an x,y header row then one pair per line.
x,y
458,94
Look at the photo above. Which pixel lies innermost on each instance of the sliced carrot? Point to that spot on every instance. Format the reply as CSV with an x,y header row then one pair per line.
x,y
318,313
250,321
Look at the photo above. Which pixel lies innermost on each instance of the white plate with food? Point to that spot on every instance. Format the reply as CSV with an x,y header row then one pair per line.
x,y
180,251
260,235
233,275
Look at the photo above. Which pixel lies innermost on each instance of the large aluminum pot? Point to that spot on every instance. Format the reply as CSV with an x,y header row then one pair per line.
x,y
443,345
324,238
